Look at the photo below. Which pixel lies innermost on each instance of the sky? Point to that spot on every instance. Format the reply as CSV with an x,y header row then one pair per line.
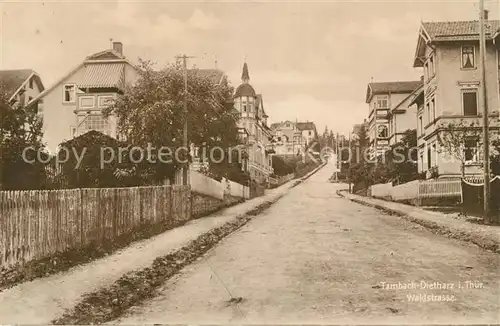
x,y
311,61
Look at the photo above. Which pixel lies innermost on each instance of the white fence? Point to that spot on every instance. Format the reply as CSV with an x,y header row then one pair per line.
x,y
207,186
236,190
202,184
381,190
440,188
418,189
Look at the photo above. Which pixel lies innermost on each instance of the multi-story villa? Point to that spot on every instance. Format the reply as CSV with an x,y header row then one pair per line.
x,y
389,115
448,53
292,138
73,105
253,124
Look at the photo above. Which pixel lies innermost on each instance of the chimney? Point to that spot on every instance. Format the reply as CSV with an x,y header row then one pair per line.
x,y
118,47
486,14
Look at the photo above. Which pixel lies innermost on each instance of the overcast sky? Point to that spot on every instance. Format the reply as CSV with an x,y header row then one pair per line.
x,y
309,60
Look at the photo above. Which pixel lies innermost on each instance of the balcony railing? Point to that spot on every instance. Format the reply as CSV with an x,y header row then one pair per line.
x,y
270,149
94,101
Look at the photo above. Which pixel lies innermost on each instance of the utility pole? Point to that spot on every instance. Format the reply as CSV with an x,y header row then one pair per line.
x,y
338,157
486,140
350,163
185,132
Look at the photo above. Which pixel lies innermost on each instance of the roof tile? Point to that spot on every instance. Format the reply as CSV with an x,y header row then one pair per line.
x,y
459,30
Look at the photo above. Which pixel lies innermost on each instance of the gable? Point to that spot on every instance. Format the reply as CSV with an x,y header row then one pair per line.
x,y
12,80
106,55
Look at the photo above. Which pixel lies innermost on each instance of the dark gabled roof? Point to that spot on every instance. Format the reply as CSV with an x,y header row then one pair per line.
x,y
306,126
356,129
275,125
11,80
391,87
458,30
417,95
451,31
245,90
260,104
215,75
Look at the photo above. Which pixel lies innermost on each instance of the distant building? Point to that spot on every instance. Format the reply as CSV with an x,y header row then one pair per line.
x,y
292,138
388,104
20,86
73,105
448,52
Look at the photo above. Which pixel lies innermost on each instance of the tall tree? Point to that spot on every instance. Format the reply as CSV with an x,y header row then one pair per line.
x,y
20,132
151,111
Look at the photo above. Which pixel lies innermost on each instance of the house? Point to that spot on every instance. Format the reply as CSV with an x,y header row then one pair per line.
x,y
73,105
308,130
448,54
292,138
254,128
20,86
389,115
287,138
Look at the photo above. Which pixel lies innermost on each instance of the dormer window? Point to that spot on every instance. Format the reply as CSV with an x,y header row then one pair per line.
x,y
31,83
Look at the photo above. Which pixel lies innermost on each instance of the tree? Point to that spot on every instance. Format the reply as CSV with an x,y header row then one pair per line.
x,y
402,158
460,139
151,112
95,160
20,130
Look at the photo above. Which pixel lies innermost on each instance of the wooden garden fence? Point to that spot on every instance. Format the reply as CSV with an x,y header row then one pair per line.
x,y
37,224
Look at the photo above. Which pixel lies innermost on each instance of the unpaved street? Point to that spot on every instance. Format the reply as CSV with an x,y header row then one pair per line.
x,y
317,258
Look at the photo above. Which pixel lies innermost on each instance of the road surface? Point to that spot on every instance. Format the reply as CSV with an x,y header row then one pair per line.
x,y
314,257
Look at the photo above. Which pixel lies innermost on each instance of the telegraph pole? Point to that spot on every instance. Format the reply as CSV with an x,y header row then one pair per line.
x,y
486,140
185,132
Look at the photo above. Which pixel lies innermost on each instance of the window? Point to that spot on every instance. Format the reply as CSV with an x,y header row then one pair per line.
x,y
432,67
434,151
470,148
432,111
244,108
428,110
429,158
31,83
421,125
468,57
382,131
69,93
310,133
469,102
382,102
97,122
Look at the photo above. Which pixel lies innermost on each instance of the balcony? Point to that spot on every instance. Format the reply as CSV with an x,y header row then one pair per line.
x,y
270,149
94,101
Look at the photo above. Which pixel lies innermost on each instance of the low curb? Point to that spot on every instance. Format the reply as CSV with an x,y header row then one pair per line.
x,y
485,242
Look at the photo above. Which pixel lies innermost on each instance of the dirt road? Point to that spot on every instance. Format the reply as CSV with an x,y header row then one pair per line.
x,y
317,258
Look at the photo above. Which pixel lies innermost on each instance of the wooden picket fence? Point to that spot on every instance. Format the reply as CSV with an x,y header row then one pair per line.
x,y
440,188
37,224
